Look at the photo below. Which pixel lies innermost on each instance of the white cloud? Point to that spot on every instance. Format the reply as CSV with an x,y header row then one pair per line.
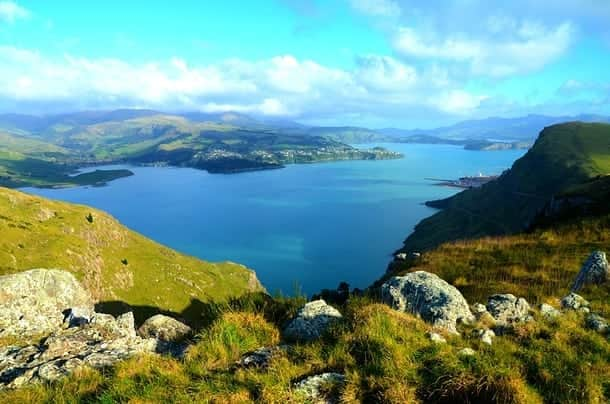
x,y
11,11
279,86
530,47
377,8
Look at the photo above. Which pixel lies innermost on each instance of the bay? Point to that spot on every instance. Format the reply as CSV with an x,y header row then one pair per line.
x,y
301,228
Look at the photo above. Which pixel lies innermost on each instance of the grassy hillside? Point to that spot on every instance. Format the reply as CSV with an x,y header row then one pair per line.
x,y
564,157
113,262
228,143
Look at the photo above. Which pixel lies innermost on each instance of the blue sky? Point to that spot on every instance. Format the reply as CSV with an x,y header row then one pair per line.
x,y
375,63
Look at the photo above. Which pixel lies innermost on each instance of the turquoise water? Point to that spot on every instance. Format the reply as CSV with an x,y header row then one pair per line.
x,y
308,225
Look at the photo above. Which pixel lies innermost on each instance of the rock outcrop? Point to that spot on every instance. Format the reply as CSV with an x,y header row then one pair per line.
x,y
320,389
260,358
311,321
575,302
507,310
429,297
548,312
34,303
597,323
164,328
594,271
52,318
99,343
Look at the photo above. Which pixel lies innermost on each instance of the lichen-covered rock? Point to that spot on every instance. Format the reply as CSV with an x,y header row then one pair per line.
x,y
429,297
78,316
311,321
597,323
320,389
260,358
486,336
101,342
507,309
548,312
33,303
478,310
164,328
575,302
594,271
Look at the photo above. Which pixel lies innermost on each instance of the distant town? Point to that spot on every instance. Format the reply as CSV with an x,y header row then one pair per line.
x,y
465,182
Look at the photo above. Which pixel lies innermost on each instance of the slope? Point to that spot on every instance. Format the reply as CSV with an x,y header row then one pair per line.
x,y
113,262
564,157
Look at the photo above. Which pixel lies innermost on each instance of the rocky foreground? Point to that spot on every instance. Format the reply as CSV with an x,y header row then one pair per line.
x,y
48,326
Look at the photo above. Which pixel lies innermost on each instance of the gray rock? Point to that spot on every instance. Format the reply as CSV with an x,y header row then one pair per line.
x,y
485,335
437,338
164,328
32,303
478,310
466,352
548,312
594,271
261,358
311,321
314,388
507,310
429,297
597,323
78,316
100,343
575,302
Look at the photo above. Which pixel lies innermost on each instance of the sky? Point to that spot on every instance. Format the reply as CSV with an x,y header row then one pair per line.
x,y
375,63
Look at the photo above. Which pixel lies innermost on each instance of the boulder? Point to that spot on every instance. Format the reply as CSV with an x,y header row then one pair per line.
x,y
548,312
33,303
478,310
575,302
261,358
320,389
594,271
429,297
507,310
597,323
101,342
311,321
78,316
485,335
164,328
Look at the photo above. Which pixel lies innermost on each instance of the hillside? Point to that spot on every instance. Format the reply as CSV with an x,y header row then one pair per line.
x,y
114,263
384,355
45,151
564,159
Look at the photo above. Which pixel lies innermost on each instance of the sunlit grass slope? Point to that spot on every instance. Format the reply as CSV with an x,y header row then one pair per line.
x,y
564,156
113,262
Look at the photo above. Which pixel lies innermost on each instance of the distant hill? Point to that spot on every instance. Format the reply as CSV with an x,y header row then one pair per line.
x,y
45,151
114,263
571,159
497,129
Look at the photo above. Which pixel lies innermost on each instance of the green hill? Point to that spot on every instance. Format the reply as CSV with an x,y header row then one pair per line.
x,y
114,263
566,158
46,151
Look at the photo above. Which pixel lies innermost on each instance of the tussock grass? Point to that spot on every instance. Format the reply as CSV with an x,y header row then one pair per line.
x,y
387,357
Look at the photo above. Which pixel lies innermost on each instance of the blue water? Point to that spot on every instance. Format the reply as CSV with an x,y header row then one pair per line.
x,y
307,225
